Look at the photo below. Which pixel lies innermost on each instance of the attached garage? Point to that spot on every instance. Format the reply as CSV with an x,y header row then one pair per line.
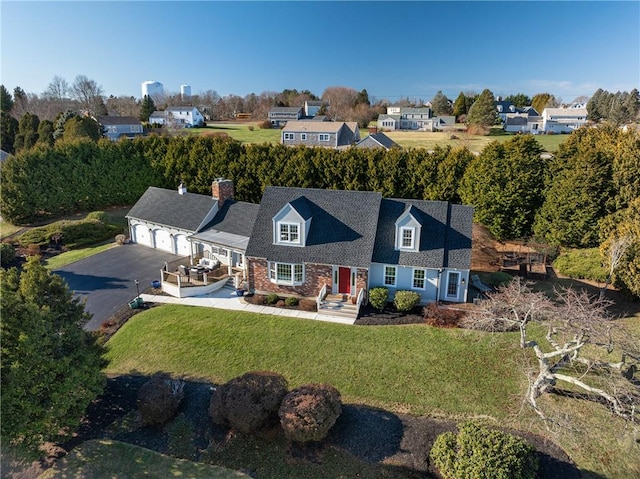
x,y
163,240
183,246
140,234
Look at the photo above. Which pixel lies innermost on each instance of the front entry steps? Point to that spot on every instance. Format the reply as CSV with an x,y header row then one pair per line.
x,y
338,305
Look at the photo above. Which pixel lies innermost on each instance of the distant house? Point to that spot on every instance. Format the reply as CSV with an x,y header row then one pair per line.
x,y
563,120
312,107
403,118
523,123
377,140
280,115
116,127
178,116
328,134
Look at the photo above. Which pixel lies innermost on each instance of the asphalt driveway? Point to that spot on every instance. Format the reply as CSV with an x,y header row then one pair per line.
x,y
107,280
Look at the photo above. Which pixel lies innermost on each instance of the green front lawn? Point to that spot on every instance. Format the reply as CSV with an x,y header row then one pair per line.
x,y
413,368
98,459
72,256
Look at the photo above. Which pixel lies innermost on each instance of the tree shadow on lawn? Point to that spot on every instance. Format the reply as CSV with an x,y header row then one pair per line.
x,y
372,435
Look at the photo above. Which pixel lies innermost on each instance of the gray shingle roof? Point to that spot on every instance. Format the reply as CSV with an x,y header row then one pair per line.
x,y
236,217
445,239
118,120
168,208
342,231
377,139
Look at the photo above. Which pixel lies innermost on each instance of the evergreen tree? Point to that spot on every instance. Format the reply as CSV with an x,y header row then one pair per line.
x,y
482,115
146,108
82,127
506,185
520,100
27,135
45,133
363,98
60,122
8,124
6,100
440,104
51,367
541,101
460,105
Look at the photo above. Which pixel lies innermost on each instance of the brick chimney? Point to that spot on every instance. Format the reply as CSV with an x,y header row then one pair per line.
x,y
222,190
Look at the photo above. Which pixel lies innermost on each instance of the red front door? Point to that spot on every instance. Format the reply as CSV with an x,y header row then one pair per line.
x,y
344,280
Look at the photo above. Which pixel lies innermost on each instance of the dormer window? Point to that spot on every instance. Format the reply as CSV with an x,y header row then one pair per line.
x,y
408,229
289,233
408,238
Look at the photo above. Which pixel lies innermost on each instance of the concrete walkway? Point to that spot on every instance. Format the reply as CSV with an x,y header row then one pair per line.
x,y
227,299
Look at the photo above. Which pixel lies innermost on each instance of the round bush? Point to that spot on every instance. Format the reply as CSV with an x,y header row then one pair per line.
x,y
291,301
307,413
406,300
249,402
159,399
378,297
271,298
477,452
7,254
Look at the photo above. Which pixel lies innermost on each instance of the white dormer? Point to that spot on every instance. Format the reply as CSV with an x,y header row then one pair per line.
x,y
291,224
408,230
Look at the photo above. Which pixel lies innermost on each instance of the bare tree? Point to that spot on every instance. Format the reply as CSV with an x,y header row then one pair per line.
x,y
341,101
88,94
615,252
58,89
577,327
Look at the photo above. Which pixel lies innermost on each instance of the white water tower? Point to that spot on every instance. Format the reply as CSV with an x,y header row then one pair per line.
x,y
153,89
185,92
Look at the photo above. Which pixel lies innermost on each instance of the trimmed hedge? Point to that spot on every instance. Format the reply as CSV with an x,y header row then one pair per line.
x,y
478,452
378,297
249,402
159,399
406,300
308,413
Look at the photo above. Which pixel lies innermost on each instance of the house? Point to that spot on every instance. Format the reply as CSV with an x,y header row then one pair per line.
x,y
377,140
178,116
310,242
403,118
312,107
116,127
280,115
328,134
210,230
563,120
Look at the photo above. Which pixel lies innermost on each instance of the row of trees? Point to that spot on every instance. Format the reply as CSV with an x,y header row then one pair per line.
x,y
581,198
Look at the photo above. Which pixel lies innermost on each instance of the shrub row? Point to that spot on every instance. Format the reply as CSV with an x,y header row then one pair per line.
x,y
256,400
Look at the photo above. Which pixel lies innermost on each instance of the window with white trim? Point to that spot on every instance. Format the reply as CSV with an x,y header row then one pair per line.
x,y
303,136
418,278
324,137
289,136
452,284
286,273
390,275
289,233
407,237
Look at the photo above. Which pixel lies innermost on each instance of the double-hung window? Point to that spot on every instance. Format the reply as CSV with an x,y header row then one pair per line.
x,y
324,137
289,233
303,136
285,273
407,238
390,275
418,278
289,136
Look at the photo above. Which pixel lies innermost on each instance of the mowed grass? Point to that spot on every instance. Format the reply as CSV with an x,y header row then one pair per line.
x,y
72,256
98,459
7,229
406,139
412,368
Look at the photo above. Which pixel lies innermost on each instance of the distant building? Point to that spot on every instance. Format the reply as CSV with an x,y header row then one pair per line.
x,y
185,92
116,127
178,116
152,89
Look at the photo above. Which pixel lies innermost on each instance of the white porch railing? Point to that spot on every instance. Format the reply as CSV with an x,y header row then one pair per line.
x,y
321,295
359,301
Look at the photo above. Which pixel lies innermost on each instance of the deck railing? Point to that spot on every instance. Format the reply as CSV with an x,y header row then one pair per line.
x,y
321,295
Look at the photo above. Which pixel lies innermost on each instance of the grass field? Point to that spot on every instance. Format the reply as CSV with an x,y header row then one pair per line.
x,y
406,139
98,459
72,256
7,229
405,369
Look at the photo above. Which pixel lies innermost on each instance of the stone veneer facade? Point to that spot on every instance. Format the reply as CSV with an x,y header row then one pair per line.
x,y
315,277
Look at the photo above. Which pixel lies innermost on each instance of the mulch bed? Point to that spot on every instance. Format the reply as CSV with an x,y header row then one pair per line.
x,y
372,435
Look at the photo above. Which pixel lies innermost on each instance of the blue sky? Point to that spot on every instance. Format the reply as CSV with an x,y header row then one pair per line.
x,y
392,49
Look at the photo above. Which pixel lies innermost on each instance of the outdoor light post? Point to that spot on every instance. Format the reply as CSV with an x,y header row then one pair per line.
x,y
137,288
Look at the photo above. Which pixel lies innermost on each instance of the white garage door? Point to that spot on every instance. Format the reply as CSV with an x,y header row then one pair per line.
x,y
141,235
183,247
163,240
